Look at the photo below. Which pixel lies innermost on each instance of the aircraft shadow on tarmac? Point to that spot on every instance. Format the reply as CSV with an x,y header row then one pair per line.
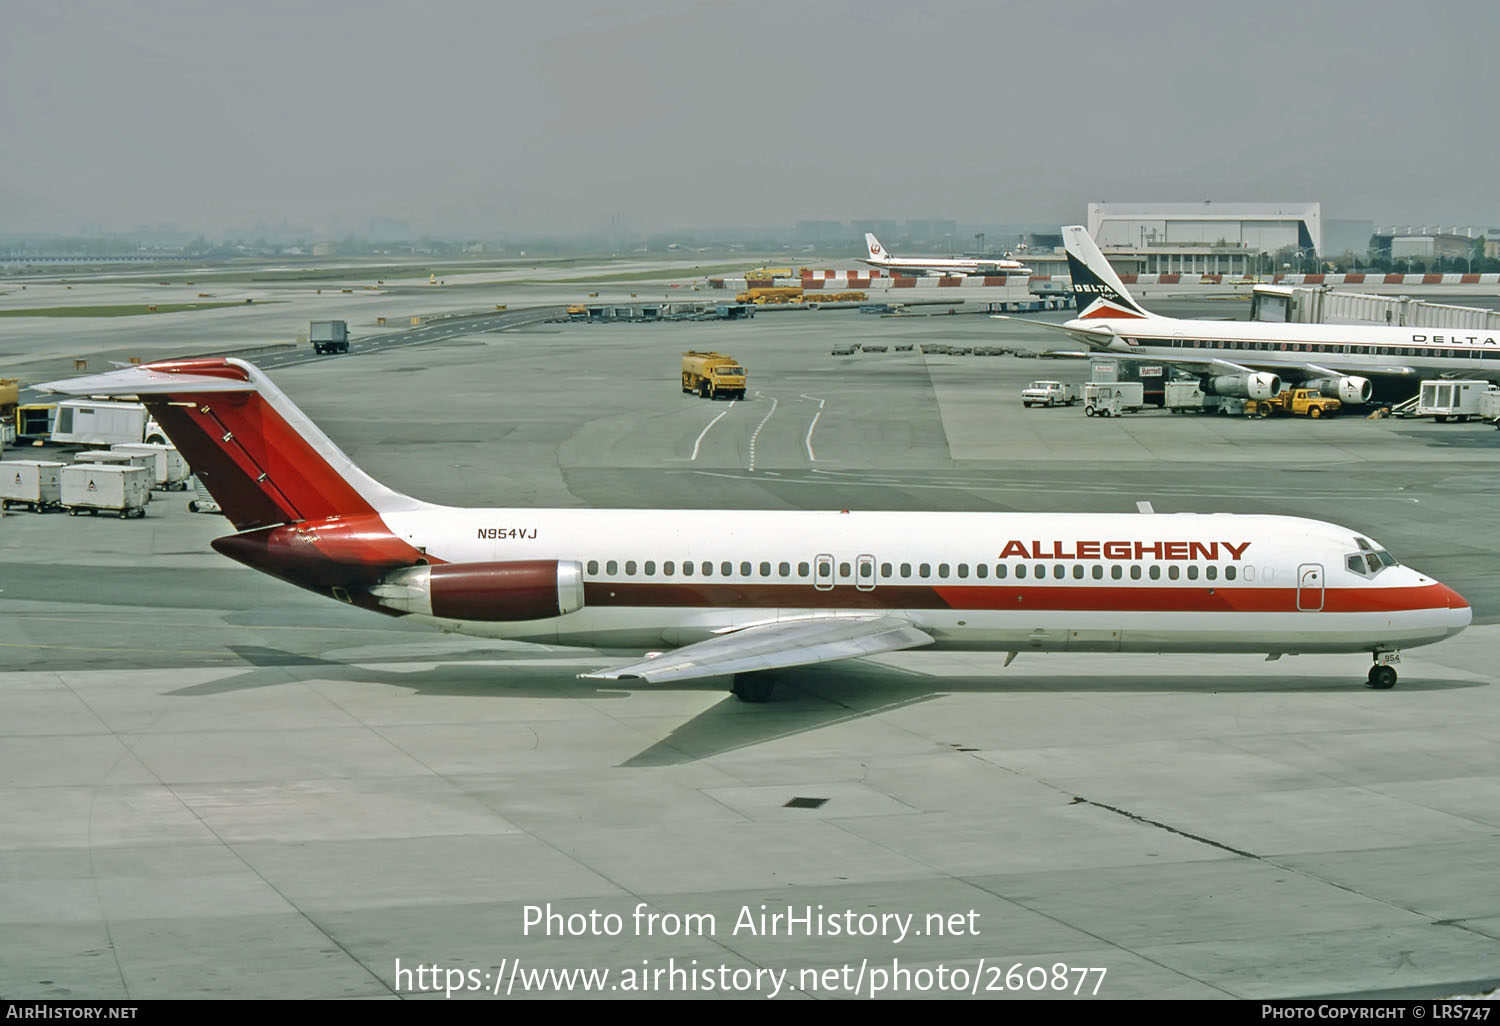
x,y
806,699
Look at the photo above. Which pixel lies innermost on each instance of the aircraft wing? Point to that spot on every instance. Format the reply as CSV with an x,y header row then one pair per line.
x,y
772,646
1218,365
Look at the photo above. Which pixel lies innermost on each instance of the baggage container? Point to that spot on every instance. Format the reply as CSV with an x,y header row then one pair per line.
x,y
34,484
1489,406
97,487
171,469
109,458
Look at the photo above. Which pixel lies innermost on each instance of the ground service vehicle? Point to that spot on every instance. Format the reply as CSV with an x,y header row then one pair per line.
x,y
774,294
1050,393
87,422
1112,398
1303,402
329,336
712,375
1447,398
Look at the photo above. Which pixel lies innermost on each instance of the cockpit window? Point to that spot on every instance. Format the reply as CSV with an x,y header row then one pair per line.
x,y
1369,560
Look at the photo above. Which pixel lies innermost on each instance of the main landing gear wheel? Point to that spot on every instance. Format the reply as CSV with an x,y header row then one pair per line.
x,y
753,687
1382,678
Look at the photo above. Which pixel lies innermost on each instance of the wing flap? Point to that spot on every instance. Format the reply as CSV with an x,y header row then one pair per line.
x,y
773,646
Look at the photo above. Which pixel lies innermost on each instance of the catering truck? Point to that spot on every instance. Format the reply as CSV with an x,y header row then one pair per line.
x,y
89,422
712,375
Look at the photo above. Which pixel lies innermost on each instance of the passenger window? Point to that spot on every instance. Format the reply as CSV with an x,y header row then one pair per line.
x,y
1249,573
630,567
784,569
905,569
844,570
765,569
1000,571
1116,573
650,568
1212,573
963,570
726,569
1059,571
745,569
1078,572
803,569
942,569
981,570
707,568
668,568
1020,571
1229,573
593,567
1098,572
1155,573
1192,573
924,570
1175,571
1135,573
687,568
1039,571
885,570
612,568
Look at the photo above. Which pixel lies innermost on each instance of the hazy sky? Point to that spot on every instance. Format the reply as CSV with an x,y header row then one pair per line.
x,y
552,115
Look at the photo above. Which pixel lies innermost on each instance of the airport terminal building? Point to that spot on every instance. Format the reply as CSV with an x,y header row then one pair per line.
x,y
1202,238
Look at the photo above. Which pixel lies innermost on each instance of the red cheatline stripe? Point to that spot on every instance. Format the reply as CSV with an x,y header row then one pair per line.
x,y
1219,598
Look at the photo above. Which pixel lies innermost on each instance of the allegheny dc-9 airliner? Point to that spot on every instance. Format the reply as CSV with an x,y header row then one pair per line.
x,y
741,593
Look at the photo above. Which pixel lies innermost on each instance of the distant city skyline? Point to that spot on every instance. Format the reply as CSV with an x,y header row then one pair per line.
x,y
462,117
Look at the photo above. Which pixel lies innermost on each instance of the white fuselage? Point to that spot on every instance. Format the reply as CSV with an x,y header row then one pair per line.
x,y
1352,349
914,265
1002,581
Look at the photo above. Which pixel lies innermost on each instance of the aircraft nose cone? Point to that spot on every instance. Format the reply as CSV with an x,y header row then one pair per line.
x,y
1460,615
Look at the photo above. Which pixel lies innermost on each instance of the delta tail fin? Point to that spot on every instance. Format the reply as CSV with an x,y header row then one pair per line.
x,y
262,459
1096,287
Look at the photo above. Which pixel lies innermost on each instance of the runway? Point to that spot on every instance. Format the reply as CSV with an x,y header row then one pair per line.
x,y
214,784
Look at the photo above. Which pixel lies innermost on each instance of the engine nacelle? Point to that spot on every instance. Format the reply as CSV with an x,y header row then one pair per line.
x,y
1349,389
525,590
1260,385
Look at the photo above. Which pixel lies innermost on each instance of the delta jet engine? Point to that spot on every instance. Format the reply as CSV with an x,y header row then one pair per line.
x,y
1260,385
1348,388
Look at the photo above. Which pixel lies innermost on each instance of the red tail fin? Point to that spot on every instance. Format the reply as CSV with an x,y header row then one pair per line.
x,y
260,457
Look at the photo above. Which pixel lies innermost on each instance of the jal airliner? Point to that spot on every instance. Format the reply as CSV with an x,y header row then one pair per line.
x,y
740,593
956,267
1253,359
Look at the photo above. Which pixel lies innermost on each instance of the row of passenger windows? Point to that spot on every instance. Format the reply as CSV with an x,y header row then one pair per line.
x,y
945,571
1324,347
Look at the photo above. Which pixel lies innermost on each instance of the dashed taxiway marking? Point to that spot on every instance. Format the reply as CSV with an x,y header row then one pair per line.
x,y
762,424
